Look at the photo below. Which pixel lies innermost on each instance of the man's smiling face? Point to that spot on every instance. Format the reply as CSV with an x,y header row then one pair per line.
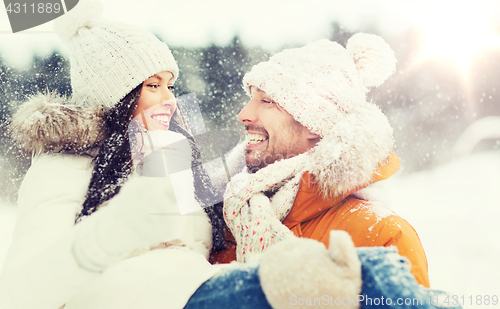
x,y
273,134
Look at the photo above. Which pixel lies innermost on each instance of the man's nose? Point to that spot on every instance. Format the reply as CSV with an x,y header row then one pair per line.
x,y
249,113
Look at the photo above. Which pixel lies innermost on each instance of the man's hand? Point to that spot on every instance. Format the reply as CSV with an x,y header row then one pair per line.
x,y
253,221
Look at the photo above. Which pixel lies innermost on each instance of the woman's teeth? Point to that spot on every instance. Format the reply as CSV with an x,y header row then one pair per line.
x,y
160,118
256,138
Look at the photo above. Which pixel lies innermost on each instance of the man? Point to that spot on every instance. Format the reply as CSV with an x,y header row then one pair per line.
x,y
315,149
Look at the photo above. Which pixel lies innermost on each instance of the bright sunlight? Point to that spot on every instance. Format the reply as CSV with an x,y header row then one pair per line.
x,y
458,30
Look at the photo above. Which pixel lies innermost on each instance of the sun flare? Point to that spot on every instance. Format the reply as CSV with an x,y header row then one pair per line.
x,y
458,31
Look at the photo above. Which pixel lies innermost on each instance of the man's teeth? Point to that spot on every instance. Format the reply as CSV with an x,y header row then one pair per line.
x,y
256,138
161,118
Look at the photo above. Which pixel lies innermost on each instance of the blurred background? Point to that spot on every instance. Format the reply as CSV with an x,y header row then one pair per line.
x,y
443,102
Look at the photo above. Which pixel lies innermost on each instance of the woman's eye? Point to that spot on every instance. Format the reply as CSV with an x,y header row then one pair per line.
x,y
153,86
171,88
267,101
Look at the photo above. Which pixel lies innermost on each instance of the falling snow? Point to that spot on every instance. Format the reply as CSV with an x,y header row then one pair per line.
x,y
446,127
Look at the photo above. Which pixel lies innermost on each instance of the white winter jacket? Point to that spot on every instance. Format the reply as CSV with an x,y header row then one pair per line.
x,y
41,270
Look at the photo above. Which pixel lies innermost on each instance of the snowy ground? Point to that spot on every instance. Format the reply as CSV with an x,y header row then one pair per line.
x,y
455,210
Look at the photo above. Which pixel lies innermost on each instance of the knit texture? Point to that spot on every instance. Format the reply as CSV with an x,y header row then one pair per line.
x,y
322,83
304,268
254,219
109,59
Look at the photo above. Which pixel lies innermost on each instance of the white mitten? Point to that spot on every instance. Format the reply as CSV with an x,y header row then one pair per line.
x,y
169,153
302,268
159,150
143,214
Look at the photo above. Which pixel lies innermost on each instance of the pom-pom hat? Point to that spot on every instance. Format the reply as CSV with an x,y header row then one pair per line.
x,y
109,59
323,86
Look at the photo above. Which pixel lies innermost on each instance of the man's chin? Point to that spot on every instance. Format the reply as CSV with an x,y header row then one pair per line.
x,y
254,163
253,166
253,169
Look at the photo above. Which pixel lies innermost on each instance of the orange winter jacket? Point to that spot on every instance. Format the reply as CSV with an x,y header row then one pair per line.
x,y
368,224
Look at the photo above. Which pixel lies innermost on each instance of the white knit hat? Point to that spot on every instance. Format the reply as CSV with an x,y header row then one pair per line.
x,y
109,59
323,86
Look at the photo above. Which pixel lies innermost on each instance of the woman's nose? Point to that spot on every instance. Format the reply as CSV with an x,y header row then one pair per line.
x,y
168,98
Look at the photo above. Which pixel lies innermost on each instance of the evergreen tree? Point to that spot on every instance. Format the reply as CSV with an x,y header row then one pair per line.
x,y
223,68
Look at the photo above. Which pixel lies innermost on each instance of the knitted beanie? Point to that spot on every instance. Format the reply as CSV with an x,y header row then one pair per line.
x,y
323,86
109,59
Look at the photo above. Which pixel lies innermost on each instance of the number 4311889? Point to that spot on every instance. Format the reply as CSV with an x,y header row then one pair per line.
x,y
471,300
40,8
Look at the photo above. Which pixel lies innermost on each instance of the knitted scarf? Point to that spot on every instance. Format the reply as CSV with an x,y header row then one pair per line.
x,y
255,219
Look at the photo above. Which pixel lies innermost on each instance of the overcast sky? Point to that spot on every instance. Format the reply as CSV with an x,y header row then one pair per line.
x,y
266,23
270,24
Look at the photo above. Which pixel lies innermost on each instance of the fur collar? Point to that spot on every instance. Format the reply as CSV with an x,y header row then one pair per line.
x,y
47,123
349,157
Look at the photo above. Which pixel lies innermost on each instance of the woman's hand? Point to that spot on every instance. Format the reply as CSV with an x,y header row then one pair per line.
x,y
139,216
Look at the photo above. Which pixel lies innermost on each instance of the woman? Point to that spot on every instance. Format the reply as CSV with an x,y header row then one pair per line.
x,y
119,253
131,248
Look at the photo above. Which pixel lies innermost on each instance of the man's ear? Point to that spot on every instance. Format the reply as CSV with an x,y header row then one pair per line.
x,y
312,136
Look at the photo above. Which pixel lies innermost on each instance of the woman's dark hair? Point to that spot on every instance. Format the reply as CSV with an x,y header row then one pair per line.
x,y
113,164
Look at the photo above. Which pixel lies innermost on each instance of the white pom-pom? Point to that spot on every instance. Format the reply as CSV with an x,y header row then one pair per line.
x,y
84,15
374,58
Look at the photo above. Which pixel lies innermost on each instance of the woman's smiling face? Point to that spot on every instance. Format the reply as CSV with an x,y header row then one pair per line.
x,y
157,103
